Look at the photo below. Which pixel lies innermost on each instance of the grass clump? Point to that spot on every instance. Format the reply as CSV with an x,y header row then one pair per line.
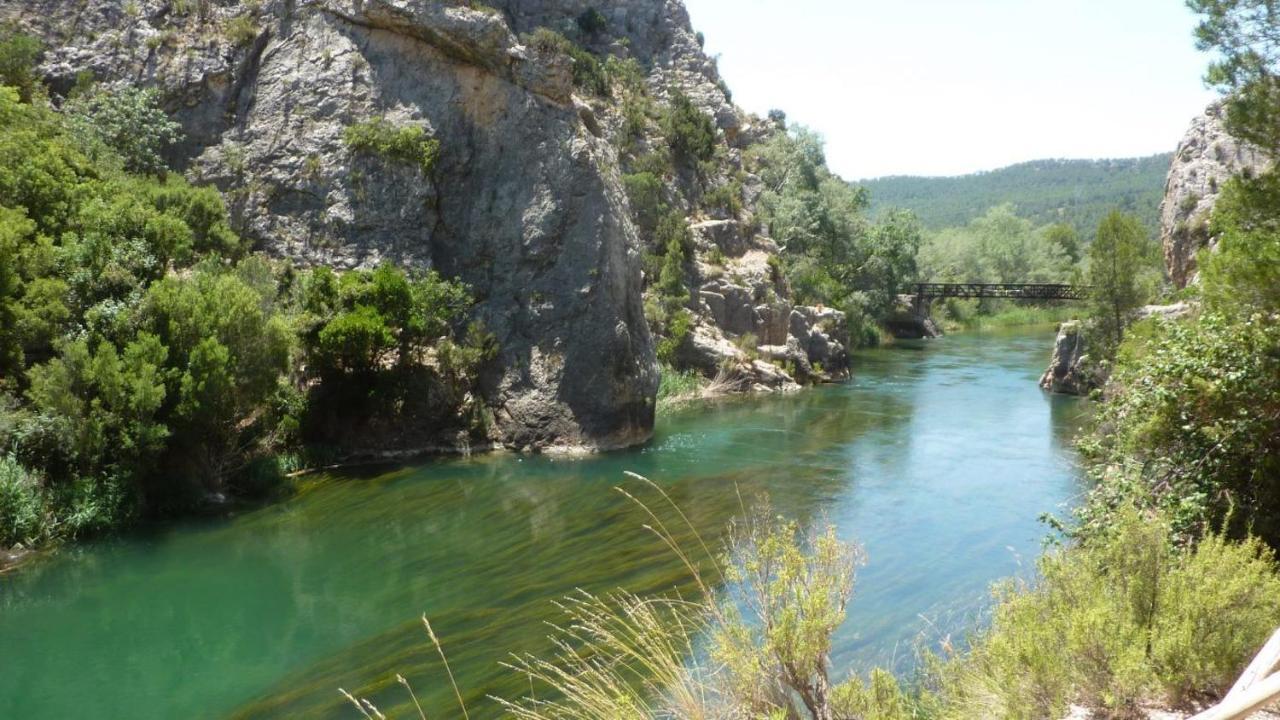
x,y
405,144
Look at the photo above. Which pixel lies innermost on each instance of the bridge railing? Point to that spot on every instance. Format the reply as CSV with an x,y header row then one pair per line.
x,y
1018,291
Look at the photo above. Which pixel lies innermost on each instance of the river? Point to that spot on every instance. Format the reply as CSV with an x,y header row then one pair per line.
x,y
937,458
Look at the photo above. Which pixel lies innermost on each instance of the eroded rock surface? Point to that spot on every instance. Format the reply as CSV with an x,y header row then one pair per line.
x,y
525,203
1206,158
1071,370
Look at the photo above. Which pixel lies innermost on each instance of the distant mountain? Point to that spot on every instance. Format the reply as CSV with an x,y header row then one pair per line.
x,y
1078,192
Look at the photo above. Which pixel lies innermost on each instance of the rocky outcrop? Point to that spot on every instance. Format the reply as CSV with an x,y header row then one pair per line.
x,y
525,202
1071,371
1206,158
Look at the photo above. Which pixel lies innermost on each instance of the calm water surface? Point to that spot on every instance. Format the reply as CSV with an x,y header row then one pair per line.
x,y
937,458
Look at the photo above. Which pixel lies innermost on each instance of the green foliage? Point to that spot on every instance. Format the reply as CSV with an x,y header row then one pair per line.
x,y
1245,38
22,505
242,29
1065,238
1117,621
1242,274
795,588
1117,257
832,254
678,326
996,247
690,133
130,122
1074,192
677,384
588,72
591,22
1193,424
644,190
404,144
19,54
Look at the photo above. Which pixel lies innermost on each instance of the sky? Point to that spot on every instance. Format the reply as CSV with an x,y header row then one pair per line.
x,y
947,87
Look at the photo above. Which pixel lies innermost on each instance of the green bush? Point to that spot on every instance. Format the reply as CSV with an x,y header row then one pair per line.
x,y
1193,425
690,133
588,72
130,122
405,144
19,54
1123,619
592,22
22,511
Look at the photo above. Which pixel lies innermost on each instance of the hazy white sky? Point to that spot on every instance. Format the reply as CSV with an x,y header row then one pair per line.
x,y
944,87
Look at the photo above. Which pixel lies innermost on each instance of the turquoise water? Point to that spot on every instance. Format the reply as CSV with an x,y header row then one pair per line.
x,y
937,458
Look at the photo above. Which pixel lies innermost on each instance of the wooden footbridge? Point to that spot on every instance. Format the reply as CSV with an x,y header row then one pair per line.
x,y
1015,291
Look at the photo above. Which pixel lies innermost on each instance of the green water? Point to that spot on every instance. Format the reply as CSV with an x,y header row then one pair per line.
x,y
937,458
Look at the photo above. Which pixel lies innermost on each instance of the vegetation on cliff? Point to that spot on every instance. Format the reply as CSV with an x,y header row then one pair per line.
x,y
147,358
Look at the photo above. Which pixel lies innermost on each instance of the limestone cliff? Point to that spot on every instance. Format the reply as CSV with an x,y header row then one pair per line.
x,y
1206,158
525,202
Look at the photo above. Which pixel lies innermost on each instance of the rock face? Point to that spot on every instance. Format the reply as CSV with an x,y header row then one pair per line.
x,y
525,202
1070,371
1206,158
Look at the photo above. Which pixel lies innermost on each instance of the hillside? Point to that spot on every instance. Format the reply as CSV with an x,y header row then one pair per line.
x,y
1078,192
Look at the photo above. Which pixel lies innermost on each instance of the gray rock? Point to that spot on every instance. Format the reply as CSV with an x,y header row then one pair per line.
x,y
525,203
1206,158
1071,371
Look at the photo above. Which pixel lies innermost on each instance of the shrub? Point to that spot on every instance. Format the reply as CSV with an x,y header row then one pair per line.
x,y
1120,620
644,190
242,29
1175,433
129,121
689,131
19,54
679,324
405,144
22,512
588,72
592,22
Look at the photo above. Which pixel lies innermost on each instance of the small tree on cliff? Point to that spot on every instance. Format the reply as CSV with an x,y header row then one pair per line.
x,y
1115,266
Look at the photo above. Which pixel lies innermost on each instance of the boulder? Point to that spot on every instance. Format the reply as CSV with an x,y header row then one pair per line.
x,y
1071,371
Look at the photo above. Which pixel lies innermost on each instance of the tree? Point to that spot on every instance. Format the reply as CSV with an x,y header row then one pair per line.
x,y
19,54
129,121
1246,36
690,132
1115,264
1065,238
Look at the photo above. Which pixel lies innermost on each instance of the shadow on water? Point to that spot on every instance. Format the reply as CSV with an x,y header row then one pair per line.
x,y
937,457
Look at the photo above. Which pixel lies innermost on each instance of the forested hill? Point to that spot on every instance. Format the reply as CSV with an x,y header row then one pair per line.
x,y
1078,192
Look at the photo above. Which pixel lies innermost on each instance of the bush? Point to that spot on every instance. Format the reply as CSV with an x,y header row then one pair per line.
x,y
592,22
22,511
128,120
1123,619
690,132
1193,425
19,54
405,144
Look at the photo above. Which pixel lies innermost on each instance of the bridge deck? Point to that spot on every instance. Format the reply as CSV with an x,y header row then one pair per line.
x,y
1017,291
